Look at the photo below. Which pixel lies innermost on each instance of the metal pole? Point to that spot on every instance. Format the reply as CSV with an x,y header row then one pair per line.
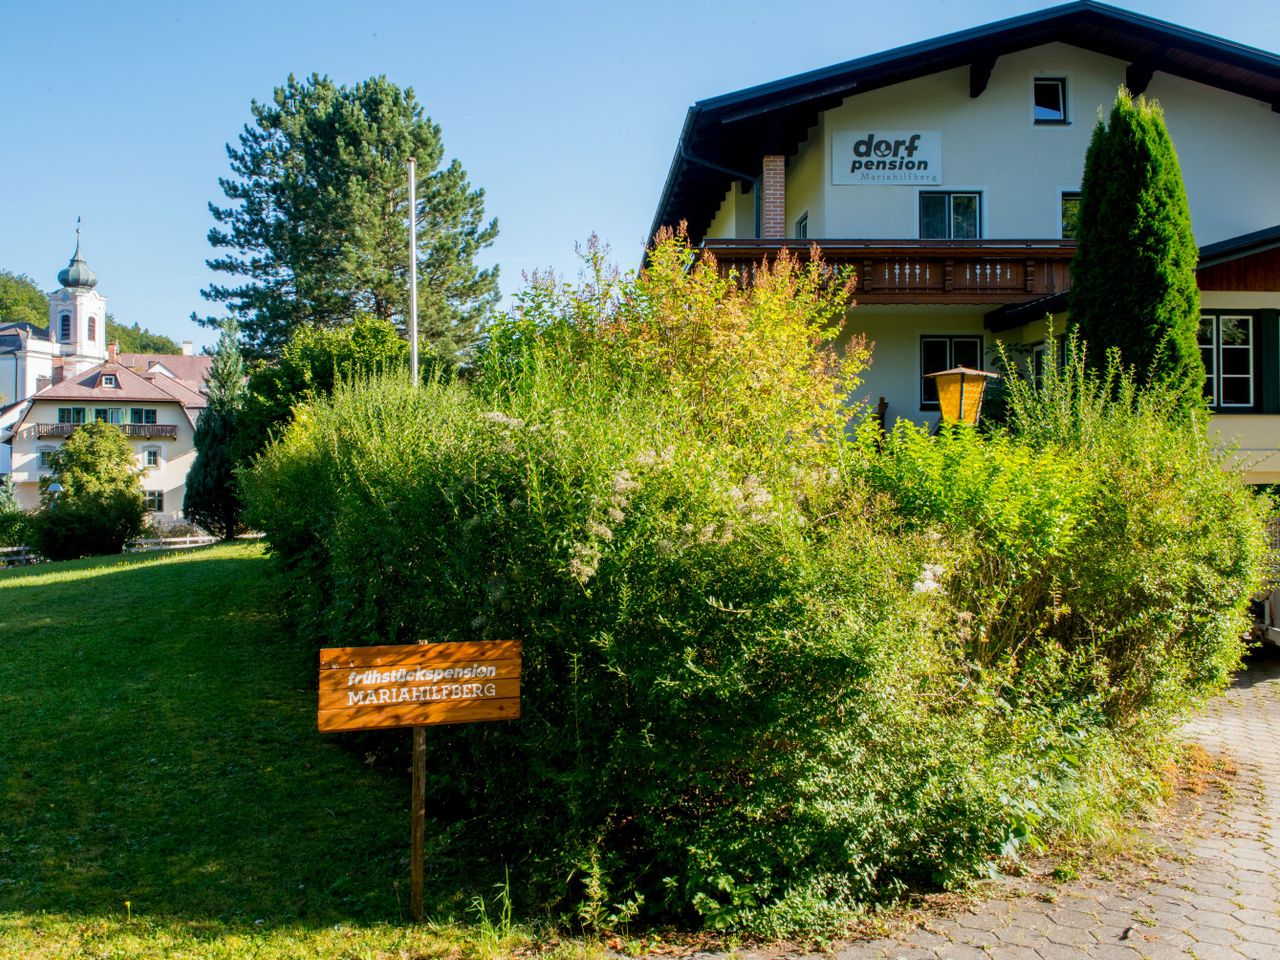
x,y
413,299
419,820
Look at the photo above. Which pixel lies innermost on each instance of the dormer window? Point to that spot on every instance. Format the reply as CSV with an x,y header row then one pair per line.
x,y
108,379
64,332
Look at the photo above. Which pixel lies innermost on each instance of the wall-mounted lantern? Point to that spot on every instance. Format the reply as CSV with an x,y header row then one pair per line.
x,y
960,391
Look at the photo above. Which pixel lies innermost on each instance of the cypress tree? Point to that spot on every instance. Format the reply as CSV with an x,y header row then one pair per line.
x,y
1133,279
212,499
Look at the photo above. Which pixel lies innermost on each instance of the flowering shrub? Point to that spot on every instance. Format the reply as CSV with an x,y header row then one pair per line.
x,y
770,674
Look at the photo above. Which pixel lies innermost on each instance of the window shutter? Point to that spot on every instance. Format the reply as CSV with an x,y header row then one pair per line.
x,y
1267,360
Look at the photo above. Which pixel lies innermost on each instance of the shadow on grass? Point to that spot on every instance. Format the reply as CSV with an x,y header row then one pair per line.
x,y
159,747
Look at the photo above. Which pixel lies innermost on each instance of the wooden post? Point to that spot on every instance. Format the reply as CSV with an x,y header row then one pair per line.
x,y
419,819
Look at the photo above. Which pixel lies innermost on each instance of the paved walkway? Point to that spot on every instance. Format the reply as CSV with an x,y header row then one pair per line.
x,y
1216,894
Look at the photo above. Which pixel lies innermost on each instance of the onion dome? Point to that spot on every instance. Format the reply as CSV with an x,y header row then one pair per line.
x,y
77,272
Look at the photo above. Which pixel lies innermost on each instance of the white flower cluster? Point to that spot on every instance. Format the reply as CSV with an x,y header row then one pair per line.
x,y
930,579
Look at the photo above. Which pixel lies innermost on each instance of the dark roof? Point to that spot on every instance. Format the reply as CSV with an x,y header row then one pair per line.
x,y
735,130
1242,246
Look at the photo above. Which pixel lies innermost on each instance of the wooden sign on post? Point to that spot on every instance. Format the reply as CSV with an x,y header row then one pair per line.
x,y
416,685
409,685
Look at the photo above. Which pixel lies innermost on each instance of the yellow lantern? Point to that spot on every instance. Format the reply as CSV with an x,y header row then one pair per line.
x,y
960,392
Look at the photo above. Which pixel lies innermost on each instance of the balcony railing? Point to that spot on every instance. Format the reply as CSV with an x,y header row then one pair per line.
x,y
926,271
167,431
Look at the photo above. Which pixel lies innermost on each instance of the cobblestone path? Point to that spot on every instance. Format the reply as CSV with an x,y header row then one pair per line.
x,y
1215,895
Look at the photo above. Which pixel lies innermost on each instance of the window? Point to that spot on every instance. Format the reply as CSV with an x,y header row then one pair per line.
x,y
71,414
802,226
950,216
1050,97
92,328
1226,347
151,457
46,457
155,501
939,353
1070,215
64,324
109,380
109,414
141,415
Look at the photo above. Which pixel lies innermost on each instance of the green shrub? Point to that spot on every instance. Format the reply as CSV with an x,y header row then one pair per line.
x,y
770,675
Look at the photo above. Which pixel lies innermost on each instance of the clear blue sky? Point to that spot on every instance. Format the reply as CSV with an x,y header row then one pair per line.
x,y
565,113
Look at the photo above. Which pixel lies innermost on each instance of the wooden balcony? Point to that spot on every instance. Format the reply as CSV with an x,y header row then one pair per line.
x,y
159,431
926,271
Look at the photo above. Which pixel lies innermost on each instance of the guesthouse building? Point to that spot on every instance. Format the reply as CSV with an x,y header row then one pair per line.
x,y
947,175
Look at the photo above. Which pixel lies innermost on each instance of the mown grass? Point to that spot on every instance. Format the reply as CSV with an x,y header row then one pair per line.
x,y
163,789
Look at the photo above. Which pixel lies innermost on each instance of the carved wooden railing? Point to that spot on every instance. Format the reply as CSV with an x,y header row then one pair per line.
x,y
926,271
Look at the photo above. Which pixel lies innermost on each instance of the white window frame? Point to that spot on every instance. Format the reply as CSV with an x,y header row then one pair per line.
x,y
109,380
802,226
1214,377
981,194
41,466
1042,76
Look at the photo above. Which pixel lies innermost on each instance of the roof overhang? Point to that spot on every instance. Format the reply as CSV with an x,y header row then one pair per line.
x,y
736,130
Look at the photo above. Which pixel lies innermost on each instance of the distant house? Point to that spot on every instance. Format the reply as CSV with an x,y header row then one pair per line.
x,y
946,174
54,380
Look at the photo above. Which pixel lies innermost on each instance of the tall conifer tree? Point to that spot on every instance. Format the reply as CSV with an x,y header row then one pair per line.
x,y
212,499
317,227
1133,279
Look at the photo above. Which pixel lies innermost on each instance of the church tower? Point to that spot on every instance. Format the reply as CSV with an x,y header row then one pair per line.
x,y
78,316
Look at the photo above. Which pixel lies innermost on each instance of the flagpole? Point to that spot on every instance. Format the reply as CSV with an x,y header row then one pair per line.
x,y
413,271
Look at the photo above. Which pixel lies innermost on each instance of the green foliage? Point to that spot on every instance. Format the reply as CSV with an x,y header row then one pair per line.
x,y
318,222
309,366
137,339
1133,276
100,504
770,675
212,498
21,301
13,520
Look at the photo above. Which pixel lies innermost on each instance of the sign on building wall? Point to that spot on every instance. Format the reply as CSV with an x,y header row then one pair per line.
x,y
886,157
364,688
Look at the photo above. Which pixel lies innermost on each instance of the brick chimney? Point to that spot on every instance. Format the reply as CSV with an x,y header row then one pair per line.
x,y
113,349
773,196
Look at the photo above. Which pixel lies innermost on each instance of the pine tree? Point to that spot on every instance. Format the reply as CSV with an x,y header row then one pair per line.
x,y
212,500
1133,279
318,220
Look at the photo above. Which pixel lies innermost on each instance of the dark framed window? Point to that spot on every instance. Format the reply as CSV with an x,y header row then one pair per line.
x,y
950,216
1070,215
155,501
1050,97
802,226
1226,348
109,414
938,353
71,414
64,328
141,415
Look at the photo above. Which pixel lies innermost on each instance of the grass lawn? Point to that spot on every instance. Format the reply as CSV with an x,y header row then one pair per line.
x,y
163,789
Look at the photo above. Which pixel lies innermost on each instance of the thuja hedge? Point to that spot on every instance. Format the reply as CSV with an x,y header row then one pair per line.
x,y
773,673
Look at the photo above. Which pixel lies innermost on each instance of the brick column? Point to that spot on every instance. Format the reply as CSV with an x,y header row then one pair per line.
x,y
773,198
